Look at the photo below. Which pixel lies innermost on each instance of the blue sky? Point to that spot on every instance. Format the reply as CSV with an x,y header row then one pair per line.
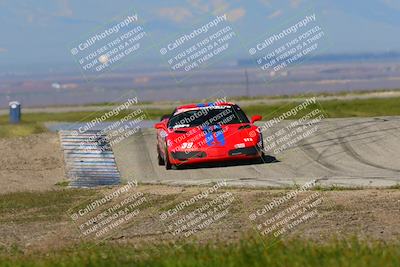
x,y
40,31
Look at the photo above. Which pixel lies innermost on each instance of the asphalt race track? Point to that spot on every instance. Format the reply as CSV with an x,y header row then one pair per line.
x,y
343,152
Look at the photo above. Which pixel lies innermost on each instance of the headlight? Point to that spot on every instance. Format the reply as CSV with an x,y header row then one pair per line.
x,y
169,142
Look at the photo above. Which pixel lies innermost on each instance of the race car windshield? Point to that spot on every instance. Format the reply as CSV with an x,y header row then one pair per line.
x,y
208,116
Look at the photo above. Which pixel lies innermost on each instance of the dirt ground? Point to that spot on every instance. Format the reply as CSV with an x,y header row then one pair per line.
x,y
43,221
372,214
30,163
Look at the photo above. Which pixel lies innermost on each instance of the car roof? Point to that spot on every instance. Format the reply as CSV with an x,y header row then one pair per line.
x,y
199,106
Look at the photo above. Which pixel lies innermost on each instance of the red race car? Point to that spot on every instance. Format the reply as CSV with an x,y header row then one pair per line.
x,y
210,132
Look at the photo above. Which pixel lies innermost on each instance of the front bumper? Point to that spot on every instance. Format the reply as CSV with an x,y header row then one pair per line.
x,y
214,155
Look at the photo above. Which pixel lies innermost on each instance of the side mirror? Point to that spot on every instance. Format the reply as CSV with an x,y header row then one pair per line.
x,y
159,125
255,118
163,117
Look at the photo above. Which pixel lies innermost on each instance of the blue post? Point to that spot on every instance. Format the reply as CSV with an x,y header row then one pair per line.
x,y
15,112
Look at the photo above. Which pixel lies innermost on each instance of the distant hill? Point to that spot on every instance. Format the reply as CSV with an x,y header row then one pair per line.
x,y
329,58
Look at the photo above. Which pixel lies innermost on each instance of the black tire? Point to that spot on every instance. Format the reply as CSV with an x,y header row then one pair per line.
x,y
260,159
161,161
168,164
